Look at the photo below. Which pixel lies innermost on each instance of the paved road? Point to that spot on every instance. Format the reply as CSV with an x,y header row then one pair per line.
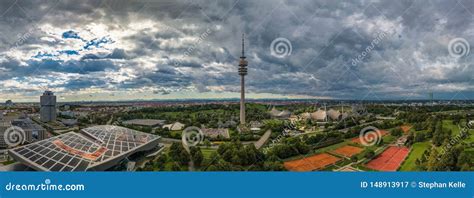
x,y
263,139
258,144
109,122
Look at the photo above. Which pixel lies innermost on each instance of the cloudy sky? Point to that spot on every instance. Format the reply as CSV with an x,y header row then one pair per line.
x,y
120,50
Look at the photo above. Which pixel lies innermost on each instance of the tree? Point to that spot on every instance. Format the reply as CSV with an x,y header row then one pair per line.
x,y
207,143
397,132
369,154
465,159
433,160
176,167
161,162
178,154
380,143
354,158
273,166
196,155
212,168
419,137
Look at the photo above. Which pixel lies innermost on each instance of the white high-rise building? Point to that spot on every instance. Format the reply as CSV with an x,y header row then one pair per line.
x,y
48,106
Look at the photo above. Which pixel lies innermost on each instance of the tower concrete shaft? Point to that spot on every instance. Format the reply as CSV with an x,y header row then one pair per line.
x,y
242,100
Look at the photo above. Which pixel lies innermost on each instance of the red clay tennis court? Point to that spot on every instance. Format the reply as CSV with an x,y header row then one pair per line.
x,y
371,135
390,159
347,151
406,128
312,163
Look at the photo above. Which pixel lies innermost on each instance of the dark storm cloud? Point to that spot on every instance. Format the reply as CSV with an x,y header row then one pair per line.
x,y
197,44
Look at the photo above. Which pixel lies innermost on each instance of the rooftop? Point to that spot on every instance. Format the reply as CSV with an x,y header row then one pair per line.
x,y
94,148
145,122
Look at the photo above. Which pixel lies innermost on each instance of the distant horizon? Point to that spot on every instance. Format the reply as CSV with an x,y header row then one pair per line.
x,y
236,100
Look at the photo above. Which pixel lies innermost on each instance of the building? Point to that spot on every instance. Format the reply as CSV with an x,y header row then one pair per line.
x,y
69,122
324,116
33,132
242,72
9,103
334,115
4,125
285,114
214,133
48,107
96,148
255,126
319,115
27,132
145,122
174,127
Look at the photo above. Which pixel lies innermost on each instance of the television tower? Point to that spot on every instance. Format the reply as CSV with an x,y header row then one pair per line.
x,y
242,72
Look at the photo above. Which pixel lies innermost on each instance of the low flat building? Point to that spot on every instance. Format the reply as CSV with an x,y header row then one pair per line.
x,y
69,122
214,133
145,122
255,126
33,132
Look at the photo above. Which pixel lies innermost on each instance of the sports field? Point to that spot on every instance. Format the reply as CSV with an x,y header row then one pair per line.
x,y
406,128
315,162
390,159
207,153
348,151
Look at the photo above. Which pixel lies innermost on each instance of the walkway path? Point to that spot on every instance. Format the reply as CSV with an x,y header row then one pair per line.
x,y
263,139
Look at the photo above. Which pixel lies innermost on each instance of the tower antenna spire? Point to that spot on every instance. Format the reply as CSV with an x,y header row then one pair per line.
x,y
243,43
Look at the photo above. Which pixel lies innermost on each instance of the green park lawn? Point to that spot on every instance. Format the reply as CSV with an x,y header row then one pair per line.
x,y
207,153
416,152
470,139
389,139
448,124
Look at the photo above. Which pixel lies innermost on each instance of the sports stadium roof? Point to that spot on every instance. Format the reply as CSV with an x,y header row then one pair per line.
x,y
95,148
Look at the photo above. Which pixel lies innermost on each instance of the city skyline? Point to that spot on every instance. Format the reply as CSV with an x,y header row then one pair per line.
x,y
134,50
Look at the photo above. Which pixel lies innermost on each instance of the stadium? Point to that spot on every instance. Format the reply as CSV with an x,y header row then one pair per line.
x,y
95,148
